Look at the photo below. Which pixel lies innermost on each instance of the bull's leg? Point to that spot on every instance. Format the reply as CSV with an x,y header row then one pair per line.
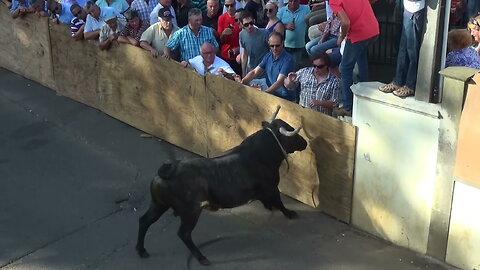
x,y
277,203
153,214
189,221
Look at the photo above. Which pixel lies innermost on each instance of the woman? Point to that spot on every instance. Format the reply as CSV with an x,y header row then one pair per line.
x,y
319,88
474,27
327,40
460,49
274,23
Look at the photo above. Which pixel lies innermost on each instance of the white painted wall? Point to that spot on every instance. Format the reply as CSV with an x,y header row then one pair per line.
x,y
463,249
394,166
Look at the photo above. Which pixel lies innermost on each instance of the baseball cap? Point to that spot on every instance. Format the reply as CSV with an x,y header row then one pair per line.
x,y
165,13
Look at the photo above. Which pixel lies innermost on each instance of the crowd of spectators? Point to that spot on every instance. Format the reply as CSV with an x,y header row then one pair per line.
x,y
259,42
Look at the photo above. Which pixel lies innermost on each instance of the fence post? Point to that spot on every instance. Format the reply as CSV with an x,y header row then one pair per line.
x,y
455,85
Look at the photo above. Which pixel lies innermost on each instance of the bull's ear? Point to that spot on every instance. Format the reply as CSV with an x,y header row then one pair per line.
x,y
265,124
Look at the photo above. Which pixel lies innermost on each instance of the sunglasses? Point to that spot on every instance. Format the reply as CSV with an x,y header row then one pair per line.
x,y
269,9
319,66
246,25
474,22
275,45
229,5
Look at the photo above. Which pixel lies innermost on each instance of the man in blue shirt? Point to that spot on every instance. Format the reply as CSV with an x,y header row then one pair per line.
x,y
190,37
62,11
292,16
277,64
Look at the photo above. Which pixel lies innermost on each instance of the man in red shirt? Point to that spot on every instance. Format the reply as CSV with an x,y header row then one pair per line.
x,y
229,36
359,29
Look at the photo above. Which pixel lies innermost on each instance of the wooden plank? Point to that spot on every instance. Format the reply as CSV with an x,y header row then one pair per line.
x,y
321,176
206,115
75,65
25,47
153,94
466,166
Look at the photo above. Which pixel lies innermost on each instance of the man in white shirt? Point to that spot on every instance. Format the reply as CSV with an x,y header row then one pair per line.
x,y
96,18
208,62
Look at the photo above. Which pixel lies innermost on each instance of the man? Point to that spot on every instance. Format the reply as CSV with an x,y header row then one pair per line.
x,y
19,8
162,4
292,16
77,24
208,62
144,8
277,64
182,7
319,88
188,38
133,31
256,9
405,80
210,17
157,35
39,7
96,18
253,41
229,36
61,11
110,31
120,5
359,28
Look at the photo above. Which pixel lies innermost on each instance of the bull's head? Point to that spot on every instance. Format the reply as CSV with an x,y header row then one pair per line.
x,y
288,136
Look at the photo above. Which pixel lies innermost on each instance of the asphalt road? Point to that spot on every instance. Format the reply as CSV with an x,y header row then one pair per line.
x,y
73,182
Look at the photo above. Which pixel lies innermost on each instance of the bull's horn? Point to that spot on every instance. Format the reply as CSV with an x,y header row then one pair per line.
x,y
274,114
284,132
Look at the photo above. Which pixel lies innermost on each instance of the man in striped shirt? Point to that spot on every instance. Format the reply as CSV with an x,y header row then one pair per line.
x,y
189,39
78,22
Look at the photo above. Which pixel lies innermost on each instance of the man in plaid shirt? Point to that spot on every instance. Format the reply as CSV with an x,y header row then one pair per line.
x,y
144,8
189,38
133,31
319,88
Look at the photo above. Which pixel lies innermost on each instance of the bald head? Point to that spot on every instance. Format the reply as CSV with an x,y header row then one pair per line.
x,y
207,51
207,47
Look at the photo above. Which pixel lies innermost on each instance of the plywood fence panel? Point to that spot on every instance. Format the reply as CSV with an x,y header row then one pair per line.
x,y
321,176
205,115
25,47
153,94
75,65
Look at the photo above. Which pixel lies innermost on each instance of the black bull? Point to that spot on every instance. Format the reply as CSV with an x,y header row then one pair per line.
x,y
247,172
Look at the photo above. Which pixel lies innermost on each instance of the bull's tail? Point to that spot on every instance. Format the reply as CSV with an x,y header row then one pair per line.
x,y
167,170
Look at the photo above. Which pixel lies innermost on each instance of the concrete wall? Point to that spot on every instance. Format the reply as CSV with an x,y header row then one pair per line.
x,y
463,248
395,161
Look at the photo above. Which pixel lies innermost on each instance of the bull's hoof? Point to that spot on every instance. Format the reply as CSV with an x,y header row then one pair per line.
x,y
143,253
204,261
291,214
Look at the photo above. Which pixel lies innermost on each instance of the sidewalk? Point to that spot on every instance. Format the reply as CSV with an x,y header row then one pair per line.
x,y
75,181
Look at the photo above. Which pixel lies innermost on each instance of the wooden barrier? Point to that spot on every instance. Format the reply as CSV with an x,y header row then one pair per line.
x,y
203,114
319,176
25,45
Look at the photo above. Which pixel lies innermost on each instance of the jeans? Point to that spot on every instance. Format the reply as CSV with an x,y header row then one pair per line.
x,y
313,47
354,53
408,51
